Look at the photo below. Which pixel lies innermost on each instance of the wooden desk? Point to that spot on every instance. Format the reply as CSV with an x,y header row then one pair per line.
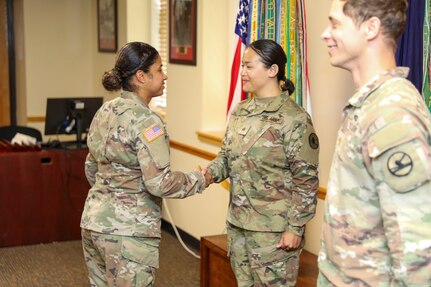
x,y
42,196
216,270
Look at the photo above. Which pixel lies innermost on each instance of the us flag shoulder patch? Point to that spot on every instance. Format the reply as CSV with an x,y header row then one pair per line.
x,y
153,133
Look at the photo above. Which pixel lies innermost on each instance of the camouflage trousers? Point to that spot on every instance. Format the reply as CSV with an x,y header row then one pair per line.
x,y
323,282
115,260
256,261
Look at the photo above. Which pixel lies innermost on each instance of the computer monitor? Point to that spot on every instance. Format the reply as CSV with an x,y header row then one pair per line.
x,y
70,115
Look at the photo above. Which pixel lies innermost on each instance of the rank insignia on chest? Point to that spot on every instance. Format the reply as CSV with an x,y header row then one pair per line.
x,y
153,133
243,130
274,120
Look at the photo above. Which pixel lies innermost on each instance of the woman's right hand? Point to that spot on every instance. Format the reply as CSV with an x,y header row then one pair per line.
x,y
205,172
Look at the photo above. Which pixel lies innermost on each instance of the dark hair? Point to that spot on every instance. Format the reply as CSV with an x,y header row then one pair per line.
x,y
392,15
271,53
132,57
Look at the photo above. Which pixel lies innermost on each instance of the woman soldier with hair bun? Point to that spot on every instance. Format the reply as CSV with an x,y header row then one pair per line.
x,y
270,153
129,171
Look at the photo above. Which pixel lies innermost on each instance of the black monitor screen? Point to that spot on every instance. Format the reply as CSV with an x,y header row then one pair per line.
x,y
70,115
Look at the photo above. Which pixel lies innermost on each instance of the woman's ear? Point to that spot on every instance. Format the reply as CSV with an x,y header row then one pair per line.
x,y
273,71
141,76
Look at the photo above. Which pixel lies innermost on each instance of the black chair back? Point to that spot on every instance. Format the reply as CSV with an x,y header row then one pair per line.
x,y
8,132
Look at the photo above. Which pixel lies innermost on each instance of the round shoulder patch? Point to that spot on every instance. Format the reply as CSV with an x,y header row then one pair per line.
x,y
400,164
313,140
405,167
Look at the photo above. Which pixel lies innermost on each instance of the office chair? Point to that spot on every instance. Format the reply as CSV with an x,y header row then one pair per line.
x,y
8,132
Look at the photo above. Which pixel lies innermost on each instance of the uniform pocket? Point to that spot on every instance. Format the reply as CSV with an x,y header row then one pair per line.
x,y
274,266
269,255
141,250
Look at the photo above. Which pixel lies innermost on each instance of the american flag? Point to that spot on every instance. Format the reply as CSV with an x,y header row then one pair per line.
x,y
235,91
153,132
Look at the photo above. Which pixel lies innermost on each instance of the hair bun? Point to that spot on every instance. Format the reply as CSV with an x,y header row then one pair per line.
x,y
112,80
288,85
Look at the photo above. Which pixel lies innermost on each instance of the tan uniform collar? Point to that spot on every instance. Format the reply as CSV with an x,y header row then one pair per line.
x,y
362,94
133,96
254,107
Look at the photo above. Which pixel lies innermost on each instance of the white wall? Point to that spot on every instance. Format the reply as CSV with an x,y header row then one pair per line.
x,y
57,53
197,100
134,17
197,96
202,214
330,89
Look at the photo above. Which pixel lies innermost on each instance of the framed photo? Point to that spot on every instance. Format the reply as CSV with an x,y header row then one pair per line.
x,y
107,25
182,32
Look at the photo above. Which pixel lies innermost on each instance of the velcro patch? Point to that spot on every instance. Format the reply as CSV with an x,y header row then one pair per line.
x,y
400,164
272,119
153,132
309,150
405,167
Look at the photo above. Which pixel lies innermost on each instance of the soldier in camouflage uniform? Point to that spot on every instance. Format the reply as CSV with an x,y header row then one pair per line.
x,y
270,153
128,169
377,224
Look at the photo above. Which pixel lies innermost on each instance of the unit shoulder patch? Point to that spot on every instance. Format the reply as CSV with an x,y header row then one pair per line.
x,y
313,140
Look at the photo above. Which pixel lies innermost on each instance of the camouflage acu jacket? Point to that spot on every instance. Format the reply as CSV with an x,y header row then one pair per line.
x,y
128,169
377,225
270,153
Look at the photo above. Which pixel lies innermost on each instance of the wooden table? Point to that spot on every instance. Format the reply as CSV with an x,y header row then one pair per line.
x,y
216,270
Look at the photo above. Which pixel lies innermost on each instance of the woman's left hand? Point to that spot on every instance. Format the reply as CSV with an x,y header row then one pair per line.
x,y
289,240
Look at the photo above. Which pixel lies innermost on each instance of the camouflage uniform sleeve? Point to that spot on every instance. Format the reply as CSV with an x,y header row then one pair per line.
x,y
218,167
302,150
158,178
90,169
399,150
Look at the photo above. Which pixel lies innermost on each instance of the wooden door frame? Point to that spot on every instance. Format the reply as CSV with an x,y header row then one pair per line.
x,y
7,72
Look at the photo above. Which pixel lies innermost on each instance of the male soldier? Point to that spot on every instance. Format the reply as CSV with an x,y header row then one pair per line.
x,y
377,224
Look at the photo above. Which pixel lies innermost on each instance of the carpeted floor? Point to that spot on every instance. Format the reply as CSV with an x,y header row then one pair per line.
x,y
61,264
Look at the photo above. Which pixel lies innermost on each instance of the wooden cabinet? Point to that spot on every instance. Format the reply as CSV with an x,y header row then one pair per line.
x,y
42,195
216,270
215,265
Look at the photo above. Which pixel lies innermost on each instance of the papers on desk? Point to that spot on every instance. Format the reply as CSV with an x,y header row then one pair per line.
x,y
23,139
20,142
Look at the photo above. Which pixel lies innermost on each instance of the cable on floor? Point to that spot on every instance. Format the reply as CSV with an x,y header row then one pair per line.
x,y
165,205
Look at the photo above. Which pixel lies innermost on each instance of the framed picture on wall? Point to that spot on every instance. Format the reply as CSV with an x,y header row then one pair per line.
x,y
182,32
107,25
